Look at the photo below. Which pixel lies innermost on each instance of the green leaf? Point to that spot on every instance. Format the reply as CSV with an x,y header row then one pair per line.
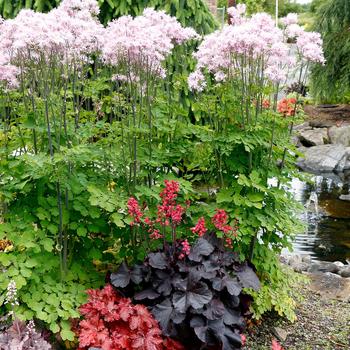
x,y
81,231
116,218
54,328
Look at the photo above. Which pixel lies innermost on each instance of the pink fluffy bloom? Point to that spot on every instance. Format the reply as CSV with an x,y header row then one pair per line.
x,y
200,228
309,45
291,18
196,81
226,52
144,42
235,51
236,14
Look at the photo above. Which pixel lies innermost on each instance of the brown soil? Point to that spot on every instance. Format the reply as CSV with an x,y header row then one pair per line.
x,y
328,115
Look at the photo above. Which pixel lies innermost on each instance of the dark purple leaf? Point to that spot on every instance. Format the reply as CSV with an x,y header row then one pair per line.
x,y
121,278
146,294
180,302
201,333
232,285
162,282
231,340
214,310
137,274
233,317
157,260
162,313
248,277
177,317
196,297
201,248
179,283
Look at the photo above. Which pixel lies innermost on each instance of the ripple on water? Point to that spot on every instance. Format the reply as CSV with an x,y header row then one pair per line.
x,y
327,236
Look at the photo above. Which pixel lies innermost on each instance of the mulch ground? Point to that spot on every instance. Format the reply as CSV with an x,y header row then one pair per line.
x,y
321,325
328,115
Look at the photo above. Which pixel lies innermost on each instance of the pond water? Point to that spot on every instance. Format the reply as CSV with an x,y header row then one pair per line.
x,y
327,236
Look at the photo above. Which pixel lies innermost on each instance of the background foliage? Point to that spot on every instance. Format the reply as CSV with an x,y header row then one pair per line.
x,y
331,83
193,13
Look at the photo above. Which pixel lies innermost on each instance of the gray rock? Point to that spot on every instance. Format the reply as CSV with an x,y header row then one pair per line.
x,y
294,260
345,197
280,333
304,126
314,137
331,286
343,164
301,267
306,258
345,272
338,263
323,158
340,135
324,267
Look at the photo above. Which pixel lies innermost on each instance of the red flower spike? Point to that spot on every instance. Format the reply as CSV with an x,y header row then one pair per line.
x,y
134,211
200,228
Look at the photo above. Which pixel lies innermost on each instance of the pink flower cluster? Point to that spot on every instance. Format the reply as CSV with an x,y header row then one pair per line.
x,y
169,210
252,44
134,211
200,228
71,33
186,249
144,41
309,44
220,221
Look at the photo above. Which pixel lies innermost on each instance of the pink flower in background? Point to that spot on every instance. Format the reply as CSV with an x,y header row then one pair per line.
x,y
196,81
291,18
237,51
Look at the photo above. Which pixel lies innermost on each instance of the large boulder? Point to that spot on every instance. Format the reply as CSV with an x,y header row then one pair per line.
x,y
340,135
322,158
314,137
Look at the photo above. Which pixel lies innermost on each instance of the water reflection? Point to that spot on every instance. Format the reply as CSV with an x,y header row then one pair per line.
x,y
327,236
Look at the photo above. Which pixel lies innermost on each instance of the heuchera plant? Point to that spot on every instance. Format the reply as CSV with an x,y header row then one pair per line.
x,y
195,293
114,323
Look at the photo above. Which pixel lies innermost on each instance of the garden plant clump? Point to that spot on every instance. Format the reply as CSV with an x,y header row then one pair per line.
x,y
95,119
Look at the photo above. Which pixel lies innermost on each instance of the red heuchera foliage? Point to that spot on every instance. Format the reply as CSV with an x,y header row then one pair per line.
x,y
114,323
287,106
275,345
134,211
